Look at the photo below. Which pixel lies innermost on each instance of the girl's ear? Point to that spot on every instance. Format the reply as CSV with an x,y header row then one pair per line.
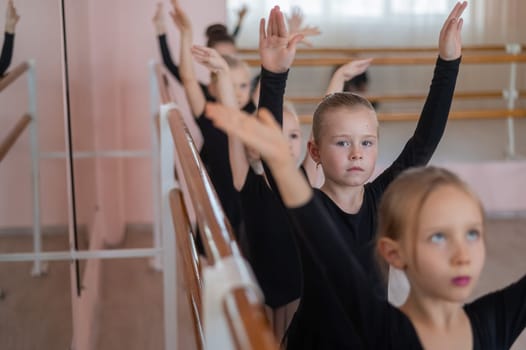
x,y
389,249
314,151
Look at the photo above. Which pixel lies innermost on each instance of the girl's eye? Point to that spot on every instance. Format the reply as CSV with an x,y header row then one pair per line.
x,y
438,237
367,143
473,235
294,136
343,143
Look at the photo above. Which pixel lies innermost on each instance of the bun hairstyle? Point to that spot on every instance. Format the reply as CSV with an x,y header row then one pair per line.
x,y
217,33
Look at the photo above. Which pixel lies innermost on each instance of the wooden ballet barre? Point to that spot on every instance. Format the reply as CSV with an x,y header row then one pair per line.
x,y
13,135
365,50
244,311
406,97
457,115
190,260
13,74
393,60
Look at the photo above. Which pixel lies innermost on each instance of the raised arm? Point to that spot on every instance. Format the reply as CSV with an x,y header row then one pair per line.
x,y
346,72
12,18
160,29
216,64
194,93
240,17
432,122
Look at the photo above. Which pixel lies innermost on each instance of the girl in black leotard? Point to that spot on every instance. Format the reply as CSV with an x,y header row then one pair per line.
x,y
9,37
345,144
431,226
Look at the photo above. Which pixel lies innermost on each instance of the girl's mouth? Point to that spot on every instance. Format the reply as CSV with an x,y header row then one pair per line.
x,y
461,281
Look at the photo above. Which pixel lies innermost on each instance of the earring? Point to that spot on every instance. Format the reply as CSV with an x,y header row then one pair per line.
x,y
318,165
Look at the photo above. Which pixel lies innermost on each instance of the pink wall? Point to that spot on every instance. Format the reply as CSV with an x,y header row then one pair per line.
x,y
110,44
37,37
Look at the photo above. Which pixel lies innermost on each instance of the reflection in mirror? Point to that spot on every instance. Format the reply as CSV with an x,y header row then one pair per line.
x,y
34,294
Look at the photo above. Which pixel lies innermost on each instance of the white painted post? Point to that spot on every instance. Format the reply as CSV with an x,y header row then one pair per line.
x,y
167,153
156,262
38,266
511,96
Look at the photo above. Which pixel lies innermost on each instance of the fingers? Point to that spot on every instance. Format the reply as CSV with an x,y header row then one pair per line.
x,y
273,22
457,11
294,40
282,27
262,34
460,24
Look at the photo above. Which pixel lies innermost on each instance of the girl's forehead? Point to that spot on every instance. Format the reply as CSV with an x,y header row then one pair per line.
x,y
240,72
450,206
346,120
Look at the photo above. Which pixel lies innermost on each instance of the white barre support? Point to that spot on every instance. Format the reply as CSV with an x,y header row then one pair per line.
x,y
511,95
167,181
38,267
80,255
98,154
224,276
156,166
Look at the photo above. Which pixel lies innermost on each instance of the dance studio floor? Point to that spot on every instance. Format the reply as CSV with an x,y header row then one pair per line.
x,y
35,313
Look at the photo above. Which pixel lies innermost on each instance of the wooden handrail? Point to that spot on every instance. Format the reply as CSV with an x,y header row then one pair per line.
x,y
217,238
399,60
13,135
408,97
191,270
13,74
366,50
466,114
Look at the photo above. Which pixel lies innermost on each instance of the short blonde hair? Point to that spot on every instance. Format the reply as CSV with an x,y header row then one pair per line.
x,y
335,101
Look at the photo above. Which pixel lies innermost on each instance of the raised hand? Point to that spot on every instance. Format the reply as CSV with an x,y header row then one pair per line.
x,y
346,72
450,42
354,68
295,22
242,13
12,17
180,18
158,19
209,58
276,48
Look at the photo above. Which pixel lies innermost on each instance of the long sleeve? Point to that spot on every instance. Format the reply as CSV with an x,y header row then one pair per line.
x,y
431,125
271,94
499,318
167,57
380,325
7,52
174,69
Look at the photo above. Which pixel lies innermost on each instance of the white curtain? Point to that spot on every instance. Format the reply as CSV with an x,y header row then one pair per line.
x,y
357,23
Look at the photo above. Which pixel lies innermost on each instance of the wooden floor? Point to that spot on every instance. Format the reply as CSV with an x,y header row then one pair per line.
x,y
35,313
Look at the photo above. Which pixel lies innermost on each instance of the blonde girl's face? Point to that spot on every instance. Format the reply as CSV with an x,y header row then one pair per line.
x,y
348,145
292,132
241,80
447,258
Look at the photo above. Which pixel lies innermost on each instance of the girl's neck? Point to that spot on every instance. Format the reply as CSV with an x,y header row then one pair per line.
x,y
439,324
347,198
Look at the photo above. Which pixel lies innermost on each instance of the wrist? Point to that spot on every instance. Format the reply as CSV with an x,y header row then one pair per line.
x,y
10,28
